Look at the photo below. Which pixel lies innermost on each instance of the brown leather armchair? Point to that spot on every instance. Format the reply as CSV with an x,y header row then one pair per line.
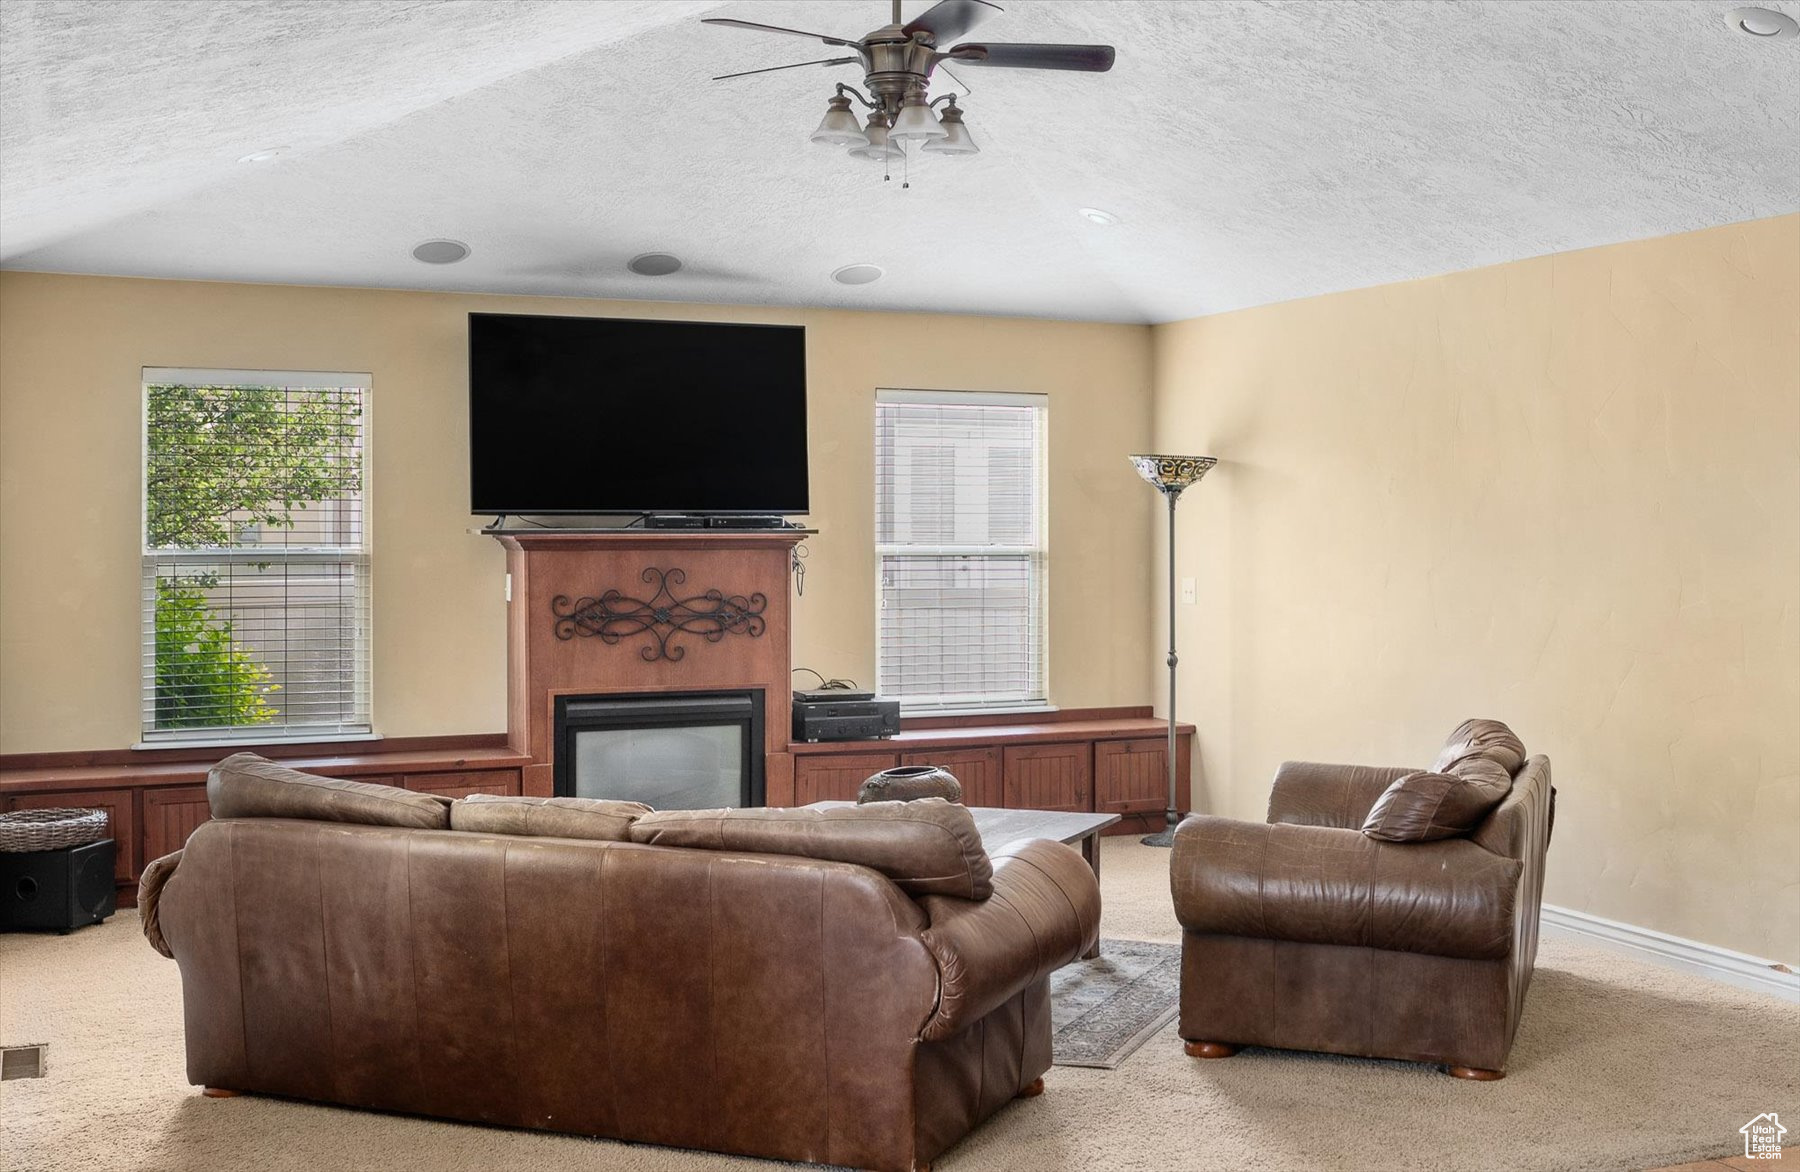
x,y
1305,933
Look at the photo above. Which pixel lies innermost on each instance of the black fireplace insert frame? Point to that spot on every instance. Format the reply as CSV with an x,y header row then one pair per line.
x,y
628,710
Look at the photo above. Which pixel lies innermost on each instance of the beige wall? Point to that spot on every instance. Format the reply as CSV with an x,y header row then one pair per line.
x,y
71,349
1563,492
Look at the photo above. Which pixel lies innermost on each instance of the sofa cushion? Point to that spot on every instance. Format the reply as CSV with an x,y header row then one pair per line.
x,y
1481,738
247,786
1424,807
927,847
594,818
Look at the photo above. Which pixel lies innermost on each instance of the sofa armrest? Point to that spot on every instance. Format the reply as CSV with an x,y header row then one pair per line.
x,y
150,887
1324,885
1044,913
1308,793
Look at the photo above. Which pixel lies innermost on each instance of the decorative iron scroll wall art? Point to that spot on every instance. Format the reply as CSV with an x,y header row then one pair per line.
x,y
612,616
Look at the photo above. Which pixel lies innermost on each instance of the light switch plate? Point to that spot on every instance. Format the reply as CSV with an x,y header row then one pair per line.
x,y
1187,591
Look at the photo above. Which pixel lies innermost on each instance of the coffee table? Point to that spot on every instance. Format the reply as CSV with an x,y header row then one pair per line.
x,y
1001,827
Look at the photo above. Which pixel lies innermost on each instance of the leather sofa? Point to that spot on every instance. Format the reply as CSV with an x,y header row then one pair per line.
x,y
344,943
1305,932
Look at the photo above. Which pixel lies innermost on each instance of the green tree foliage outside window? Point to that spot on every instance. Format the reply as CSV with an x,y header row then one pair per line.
x,y
203,678
221,458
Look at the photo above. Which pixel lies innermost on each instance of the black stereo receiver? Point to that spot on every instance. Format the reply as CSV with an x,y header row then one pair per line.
x,y
817,718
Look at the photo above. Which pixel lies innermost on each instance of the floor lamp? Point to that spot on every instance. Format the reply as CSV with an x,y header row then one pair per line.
x,y
1169,475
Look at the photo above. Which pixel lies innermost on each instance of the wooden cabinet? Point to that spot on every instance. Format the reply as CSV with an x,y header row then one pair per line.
x,y
170,815
461,785
835,777
977,769
121,812
1049,777
1131,777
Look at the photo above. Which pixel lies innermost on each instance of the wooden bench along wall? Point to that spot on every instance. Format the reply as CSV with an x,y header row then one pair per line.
x,y
156,797
1109,760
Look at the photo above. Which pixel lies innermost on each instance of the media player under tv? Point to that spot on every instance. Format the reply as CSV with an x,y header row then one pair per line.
x,y
703,521
837,719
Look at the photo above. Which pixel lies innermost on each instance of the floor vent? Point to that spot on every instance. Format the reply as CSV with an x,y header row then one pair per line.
x,y
21,1062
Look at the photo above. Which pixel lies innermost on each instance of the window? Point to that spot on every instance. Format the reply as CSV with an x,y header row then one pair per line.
x,y
256,572
959,532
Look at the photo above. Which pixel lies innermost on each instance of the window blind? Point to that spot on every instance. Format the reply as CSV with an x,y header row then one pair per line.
x,y
255,590
960,542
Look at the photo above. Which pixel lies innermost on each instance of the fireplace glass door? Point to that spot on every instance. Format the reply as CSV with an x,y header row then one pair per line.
x,y
683,751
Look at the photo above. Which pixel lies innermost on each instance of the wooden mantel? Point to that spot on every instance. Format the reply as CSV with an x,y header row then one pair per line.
x,y
560,640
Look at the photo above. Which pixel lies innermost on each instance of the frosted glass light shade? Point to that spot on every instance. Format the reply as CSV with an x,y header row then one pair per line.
x,y
839,126
878,148
916,123
957,140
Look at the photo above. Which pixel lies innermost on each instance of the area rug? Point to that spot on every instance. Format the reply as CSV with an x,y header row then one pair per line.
x,y
1103,1009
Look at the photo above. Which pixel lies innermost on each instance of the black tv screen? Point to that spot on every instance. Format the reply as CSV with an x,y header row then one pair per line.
x,y
607,415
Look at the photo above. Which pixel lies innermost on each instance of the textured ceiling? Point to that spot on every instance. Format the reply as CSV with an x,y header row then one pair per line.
x,y
1254,152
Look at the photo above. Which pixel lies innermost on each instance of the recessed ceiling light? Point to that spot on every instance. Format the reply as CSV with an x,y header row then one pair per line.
x,y
654,264
857,274
261,156
1762,22
1097,216
440,252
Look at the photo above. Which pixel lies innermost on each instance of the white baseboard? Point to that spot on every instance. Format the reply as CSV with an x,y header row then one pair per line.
x,y
1706,960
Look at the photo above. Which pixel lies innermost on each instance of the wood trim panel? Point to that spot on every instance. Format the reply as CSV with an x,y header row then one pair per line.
x,y
778,779
460,785
977,769
836,779
1002,720
1049,777
981,736
362,767
1131,777
275,751
121,815
170,815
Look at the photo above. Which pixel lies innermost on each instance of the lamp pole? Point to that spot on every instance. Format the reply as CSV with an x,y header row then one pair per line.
x,y
1169,475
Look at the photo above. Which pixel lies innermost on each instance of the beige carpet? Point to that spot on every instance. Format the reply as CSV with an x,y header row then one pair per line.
x,y
1617,1066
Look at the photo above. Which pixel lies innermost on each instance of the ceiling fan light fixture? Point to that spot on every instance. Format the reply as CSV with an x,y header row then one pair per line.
x,y
839,127
916,122
897,61
957,140
878,148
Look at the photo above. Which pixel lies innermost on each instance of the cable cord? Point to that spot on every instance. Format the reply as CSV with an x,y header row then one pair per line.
x,y
827,685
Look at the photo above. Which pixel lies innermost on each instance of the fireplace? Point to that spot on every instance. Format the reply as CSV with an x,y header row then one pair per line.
x,y
670,750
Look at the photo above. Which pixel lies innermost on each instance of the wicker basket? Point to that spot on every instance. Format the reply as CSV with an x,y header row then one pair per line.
x,y
49,830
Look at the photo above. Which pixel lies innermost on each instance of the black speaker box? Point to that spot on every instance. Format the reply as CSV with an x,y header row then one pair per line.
x,y
63,889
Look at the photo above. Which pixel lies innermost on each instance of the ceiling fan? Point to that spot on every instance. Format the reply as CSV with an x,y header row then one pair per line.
x,y
897,60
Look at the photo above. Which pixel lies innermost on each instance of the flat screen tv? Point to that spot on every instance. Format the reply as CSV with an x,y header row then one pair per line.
x,y
606,416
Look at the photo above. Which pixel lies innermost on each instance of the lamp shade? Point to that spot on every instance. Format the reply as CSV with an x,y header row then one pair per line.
x,y
877,149
839,127
1171,474
916,122
956,140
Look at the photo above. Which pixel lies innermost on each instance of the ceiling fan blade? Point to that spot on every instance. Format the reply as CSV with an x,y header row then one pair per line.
x,y
948,19
770,28
1082,58
795,65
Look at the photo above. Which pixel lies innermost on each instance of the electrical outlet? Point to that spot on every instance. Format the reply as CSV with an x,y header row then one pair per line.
x,y
1187,591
